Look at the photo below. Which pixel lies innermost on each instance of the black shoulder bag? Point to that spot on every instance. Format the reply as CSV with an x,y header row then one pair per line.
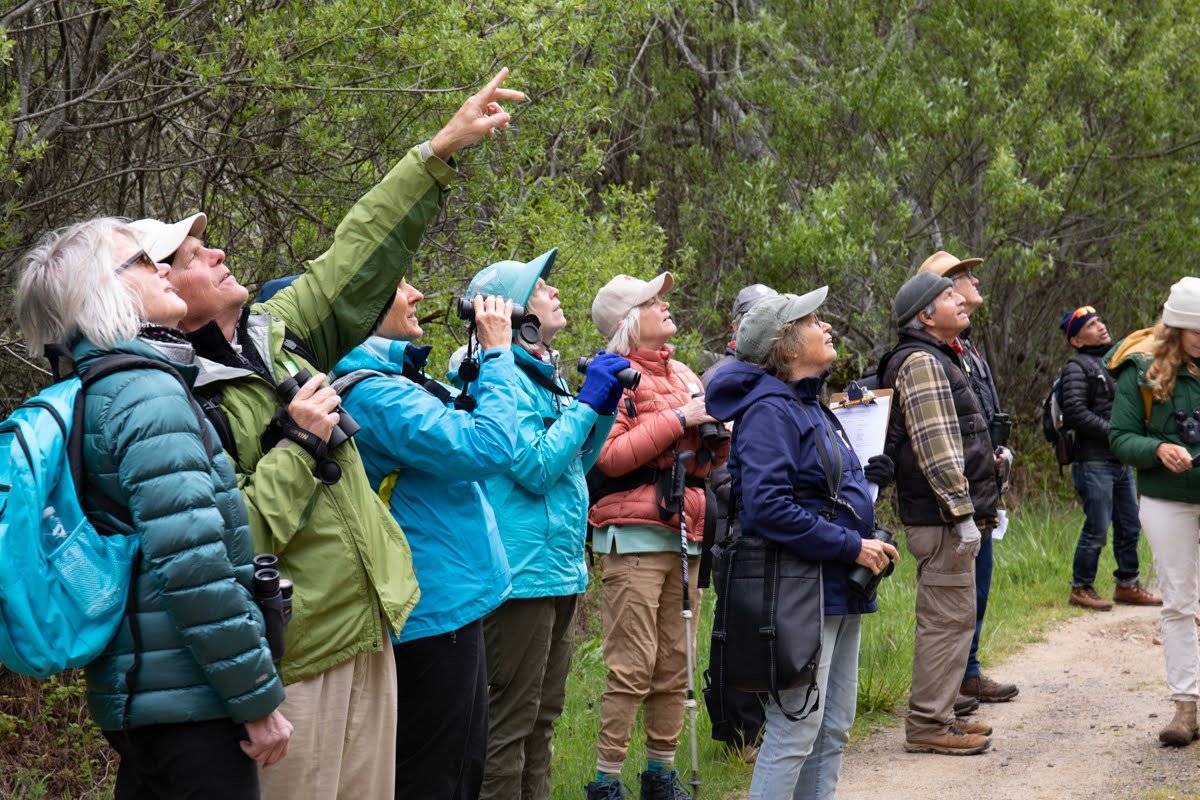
x,y
770,614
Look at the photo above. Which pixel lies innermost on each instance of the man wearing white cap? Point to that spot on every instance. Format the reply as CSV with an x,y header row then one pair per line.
x,y
308,498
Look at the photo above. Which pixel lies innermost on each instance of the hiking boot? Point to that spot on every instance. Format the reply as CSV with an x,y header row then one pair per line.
x,y
1182,730
987,690
662,785
606,789
954,742
1086,597
964,705
1135,595
968,726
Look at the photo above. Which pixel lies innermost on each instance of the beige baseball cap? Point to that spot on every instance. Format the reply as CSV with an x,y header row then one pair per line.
x,y
621,295
161,239
946,265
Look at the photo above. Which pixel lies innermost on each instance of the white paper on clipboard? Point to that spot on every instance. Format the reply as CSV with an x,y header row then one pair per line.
x,y
865,424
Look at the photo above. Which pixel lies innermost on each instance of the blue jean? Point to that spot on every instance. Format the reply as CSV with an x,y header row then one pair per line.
x,y
802,759
1108,494
983,588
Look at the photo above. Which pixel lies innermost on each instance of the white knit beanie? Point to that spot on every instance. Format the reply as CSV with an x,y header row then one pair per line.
x,y
1182,309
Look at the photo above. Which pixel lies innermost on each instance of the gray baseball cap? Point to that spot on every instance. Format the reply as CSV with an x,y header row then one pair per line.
x,y
748,296
917,292
761,326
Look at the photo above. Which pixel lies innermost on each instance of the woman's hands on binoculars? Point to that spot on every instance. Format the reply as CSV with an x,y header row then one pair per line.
x,y
493,322
876,555
314,408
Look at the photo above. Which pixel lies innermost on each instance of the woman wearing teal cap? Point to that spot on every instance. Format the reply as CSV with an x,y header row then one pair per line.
x,y
541,507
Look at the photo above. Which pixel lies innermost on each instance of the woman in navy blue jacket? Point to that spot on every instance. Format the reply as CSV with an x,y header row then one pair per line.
x,y
779,479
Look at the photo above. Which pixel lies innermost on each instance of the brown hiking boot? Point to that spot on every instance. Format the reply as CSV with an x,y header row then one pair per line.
x,y
1135,595
1086,597
1182,730
969,726
965,705
954,742
987,690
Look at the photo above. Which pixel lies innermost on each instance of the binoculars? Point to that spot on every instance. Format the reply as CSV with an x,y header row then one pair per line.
x,y
628,378
465,307
862,581
346,426
714,434
999,429
1188,426
273,596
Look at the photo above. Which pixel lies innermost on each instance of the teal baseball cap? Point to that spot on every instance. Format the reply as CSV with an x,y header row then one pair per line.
x,y
512,280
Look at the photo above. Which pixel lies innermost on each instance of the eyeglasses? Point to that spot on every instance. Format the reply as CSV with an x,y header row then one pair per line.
x,y
965,275
139,259
1080,312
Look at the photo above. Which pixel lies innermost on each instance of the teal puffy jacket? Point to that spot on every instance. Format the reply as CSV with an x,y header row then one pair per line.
x,y
203,652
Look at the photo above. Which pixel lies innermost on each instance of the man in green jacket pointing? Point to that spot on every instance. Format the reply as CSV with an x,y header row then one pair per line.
x,y
308,498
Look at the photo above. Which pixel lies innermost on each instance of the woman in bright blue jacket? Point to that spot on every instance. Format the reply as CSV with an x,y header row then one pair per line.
x,y
185,691
773,395
428,458
541,503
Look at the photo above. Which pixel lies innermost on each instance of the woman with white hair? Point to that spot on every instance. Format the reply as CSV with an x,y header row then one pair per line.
x,y
638,538
186,691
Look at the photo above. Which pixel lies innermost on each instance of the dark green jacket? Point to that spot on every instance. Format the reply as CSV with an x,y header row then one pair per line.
x,y
203,651
1134,441
349,561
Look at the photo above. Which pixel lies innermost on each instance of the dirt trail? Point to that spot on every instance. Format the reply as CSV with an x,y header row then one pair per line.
x,y
1093,698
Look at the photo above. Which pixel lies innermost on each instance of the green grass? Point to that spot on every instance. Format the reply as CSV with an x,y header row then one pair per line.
x,y
1031,582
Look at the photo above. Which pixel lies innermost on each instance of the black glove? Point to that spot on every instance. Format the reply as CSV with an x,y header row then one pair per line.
x,y
880,470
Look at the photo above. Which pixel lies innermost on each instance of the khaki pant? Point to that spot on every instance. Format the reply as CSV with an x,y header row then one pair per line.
x,y
642,601
945,624
344,742
529,646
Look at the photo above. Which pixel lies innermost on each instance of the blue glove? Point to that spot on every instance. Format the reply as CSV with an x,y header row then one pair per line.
x,y
880,470
601,390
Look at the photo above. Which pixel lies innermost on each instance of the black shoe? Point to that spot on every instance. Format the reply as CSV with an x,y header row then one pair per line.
x,y
965,705
662,785
606,790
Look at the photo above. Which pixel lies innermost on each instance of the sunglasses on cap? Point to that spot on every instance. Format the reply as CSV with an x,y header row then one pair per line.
x,y
1082,311
139,259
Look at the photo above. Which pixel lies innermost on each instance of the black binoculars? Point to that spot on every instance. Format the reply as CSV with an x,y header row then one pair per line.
x,y
273,596
999,429
1188,426
346,426
714,434
863,583
629,378
465,308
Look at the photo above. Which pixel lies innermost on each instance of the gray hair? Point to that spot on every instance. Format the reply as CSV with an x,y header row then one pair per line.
x,y
915,323
628,333
69,287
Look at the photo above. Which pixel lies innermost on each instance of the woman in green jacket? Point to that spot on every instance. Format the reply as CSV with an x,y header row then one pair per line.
x,y
1155,427
186,691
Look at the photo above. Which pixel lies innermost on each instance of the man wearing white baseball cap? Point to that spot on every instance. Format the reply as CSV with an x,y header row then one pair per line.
x,y
308,497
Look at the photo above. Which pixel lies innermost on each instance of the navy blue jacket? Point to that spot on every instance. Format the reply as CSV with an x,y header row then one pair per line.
x,y
774,454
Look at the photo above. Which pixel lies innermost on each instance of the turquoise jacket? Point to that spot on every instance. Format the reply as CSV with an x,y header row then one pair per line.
x,y
439,456
203,652
542,499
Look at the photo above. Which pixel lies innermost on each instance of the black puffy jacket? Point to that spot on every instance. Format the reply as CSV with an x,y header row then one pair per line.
x,y
1087,401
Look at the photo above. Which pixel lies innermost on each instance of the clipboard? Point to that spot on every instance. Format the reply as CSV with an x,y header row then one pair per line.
x,y
864,414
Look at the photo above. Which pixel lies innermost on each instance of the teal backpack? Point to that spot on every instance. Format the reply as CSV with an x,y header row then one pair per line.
x,y
64,582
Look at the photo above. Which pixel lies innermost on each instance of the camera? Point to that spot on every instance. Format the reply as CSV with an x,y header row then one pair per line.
x,y
1188,426
346,426
273,596
629,378
465,308
714,434
863,583
999,429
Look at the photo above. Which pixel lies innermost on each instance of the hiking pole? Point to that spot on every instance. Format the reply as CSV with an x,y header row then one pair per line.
x,y
690,703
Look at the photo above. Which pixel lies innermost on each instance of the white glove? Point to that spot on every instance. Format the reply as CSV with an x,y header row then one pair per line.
x,y
1004,460
970,539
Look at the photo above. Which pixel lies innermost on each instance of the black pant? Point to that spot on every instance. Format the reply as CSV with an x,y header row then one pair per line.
x,y
187,760
441,737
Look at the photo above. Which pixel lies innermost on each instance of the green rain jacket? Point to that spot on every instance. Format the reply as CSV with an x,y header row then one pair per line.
x,y
347,557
